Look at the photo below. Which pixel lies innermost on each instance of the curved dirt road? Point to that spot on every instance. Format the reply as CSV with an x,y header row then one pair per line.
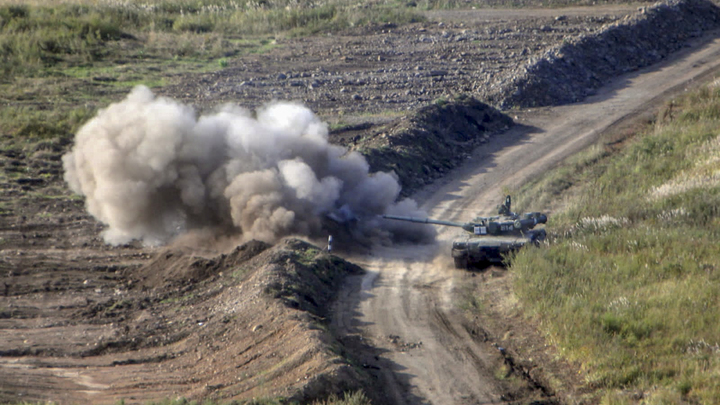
x,y
405,306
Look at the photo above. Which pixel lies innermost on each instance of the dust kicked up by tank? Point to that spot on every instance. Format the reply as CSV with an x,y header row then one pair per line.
x,y
151,170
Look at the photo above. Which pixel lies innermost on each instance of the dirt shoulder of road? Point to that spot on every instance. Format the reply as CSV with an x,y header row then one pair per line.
x,y
496,318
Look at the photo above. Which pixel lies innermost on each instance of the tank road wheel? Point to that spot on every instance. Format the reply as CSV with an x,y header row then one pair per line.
x,y
461,262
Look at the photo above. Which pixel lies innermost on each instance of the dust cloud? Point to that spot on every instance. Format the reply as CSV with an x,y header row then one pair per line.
x,y
152,170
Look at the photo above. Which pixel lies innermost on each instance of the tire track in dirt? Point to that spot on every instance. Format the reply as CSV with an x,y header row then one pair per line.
x,y
395,299
415,328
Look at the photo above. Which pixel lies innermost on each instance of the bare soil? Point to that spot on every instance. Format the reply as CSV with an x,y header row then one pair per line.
x,y
377,73
84,322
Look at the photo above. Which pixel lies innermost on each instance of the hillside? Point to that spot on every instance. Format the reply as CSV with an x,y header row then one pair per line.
x,y
626,287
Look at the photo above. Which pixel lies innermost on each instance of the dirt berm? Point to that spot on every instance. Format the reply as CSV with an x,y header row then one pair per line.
x,y
248,324
423,146
257,320
575,68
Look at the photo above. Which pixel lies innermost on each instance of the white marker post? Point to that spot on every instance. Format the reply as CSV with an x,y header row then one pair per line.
x,y
329,243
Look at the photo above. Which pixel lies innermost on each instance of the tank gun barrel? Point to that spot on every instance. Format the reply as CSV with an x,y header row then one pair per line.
x,y
500,225
424,220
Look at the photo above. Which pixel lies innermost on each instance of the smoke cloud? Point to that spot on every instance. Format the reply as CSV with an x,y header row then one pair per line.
x,y
151,170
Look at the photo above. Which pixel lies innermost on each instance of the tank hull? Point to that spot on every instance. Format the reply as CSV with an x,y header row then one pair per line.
x,y
482,251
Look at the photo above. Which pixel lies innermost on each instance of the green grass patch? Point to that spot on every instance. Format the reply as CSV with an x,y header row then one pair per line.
x,y
307,256
629,282
349,398
36,36
178,300
58,57
28,122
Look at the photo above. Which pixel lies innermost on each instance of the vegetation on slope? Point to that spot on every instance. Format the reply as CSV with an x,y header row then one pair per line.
x,y
37,36
61,61
628,283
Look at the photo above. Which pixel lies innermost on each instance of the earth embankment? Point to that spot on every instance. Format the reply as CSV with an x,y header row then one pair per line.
x,y
241,325
575,68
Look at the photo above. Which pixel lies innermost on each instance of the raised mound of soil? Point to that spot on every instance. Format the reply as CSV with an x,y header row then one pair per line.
x,y
244,325
173,268
575,68
423,146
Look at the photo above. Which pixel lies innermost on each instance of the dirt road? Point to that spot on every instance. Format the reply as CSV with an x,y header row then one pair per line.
x,y
407,303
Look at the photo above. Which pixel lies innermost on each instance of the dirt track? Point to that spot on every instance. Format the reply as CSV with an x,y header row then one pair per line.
x,y
409,297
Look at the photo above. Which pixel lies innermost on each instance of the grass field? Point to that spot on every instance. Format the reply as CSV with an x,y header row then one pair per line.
x,y
61,61
628,284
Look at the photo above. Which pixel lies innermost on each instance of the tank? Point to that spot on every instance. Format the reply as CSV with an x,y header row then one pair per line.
x,y
488,240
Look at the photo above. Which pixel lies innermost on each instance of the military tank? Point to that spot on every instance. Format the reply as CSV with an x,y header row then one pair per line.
x,y
489,239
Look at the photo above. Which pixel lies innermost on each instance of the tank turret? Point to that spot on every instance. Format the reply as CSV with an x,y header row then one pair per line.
x,y
490,239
